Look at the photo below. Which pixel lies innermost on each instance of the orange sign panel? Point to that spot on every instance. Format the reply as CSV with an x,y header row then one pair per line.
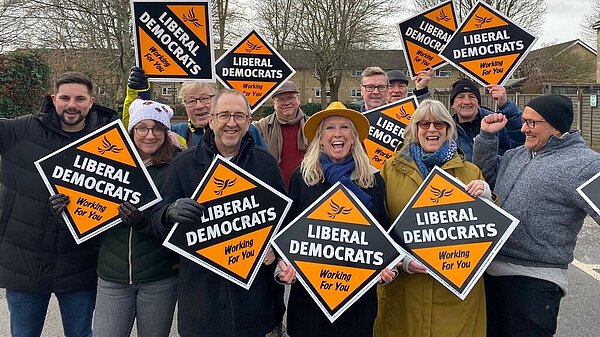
x,y
453,234
424,35
386,133
488,46
97,173
338,250
173,39
241,215
252,66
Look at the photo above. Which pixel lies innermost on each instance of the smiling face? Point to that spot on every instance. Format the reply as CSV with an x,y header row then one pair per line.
x,y
228,135
397,91
466,106
374,99
148,136
336,138
431,134
73,103
286,104
198,102
537,137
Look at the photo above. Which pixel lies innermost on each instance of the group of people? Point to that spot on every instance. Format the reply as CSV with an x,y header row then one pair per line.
x,y
531,161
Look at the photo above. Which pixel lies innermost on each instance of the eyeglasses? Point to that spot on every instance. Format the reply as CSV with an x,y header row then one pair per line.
x,y
157,130
285,99
371,87
531,123
203,99
224,117
438,125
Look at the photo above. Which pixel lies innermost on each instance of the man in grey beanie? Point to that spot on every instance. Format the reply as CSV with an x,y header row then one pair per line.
x,y
465,100
537,184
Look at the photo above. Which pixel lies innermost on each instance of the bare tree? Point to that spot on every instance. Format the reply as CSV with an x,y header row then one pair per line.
x,y
276,22
11,24
528,14
588,33
332,30
228,17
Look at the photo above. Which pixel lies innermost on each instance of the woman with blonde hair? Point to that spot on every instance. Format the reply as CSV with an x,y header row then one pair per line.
x,y
335,154
415,304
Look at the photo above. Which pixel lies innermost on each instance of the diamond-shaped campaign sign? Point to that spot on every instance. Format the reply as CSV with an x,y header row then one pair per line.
x,y
173,39
338,250
98,172
386,132
254,67
424,35
241,215
453,234
488,46
590,191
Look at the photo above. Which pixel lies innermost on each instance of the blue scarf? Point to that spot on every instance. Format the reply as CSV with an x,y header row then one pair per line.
x,y
341,172
426,161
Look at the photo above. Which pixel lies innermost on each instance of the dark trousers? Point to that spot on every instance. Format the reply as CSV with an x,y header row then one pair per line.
x,y
519,306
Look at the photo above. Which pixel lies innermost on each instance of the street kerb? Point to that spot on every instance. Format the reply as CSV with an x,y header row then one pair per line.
x,y
424,35
488,46
337,249
451,233
252,66
173,39
98,172
386,133
590,191
241,215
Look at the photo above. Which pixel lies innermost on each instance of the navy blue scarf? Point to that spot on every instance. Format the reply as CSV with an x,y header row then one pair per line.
x,y
341,172
426,161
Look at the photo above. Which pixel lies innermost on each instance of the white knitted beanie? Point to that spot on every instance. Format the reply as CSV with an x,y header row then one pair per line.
x,y
141,109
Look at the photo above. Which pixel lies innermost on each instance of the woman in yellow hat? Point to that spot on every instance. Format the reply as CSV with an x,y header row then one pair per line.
x,y
335,154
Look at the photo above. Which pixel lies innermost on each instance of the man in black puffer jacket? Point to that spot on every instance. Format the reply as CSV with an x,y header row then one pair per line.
x,y
38,255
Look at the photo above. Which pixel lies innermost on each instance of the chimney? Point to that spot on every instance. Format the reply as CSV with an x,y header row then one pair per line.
x,y
596,26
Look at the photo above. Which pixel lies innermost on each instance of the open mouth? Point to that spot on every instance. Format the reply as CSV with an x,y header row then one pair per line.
x,y
337,145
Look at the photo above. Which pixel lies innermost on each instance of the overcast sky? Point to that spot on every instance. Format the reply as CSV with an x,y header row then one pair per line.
x,y
563,21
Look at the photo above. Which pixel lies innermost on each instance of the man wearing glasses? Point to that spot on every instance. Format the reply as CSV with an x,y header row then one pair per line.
x,y
465,100
373,88
208,304
537,184
197,99
282,130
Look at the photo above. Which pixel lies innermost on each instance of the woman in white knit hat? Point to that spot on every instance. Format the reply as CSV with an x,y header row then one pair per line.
x,y
137,276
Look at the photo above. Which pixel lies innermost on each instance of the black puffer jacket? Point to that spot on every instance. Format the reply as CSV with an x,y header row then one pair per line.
x,y
37,253
209,305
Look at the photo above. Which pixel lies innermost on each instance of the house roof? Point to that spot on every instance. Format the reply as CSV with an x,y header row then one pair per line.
x,y
558,49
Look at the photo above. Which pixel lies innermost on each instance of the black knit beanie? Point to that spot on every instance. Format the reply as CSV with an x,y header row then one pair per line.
x,y
556,110
464,85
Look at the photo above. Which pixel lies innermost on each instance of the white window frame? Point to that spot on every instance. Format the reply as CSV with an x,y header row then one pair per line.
x,y
355,93
318,92
443,73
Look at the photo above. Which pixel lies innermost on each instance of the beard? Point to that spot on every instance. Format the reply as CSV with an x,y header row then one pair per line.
x,y
71,119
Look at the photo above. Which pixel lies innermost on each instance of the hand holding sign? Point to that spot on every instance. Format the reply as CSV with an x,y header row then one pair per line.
x,y
423,78
130,214
287,274
184,210
58,202
498,93
493,123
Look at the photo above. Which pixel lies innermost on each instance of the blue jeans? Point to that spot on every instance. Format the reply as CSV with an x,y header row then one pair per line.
x,y
151,303
28,312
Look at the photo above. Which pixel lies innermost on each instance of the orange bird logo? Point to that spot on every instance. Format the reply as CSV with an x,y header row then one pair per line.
x,y
223,184
107,146
337,209
439,194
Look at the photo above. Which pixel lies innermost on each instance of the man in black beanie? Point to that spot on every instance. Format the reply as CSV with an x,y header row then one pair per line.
x,y
537,184
465,100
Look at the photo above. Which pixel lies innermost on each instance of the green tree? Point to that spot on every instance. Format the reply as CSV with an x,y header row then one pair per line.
x,y
23,80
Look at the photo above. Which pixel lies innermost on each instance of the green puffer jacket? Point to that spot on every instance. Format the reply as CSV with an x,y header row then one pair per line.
x,y
129,255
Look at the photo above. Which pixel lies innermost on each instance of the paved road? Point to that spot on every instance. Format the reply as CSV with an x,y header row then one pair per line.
x,y
579,314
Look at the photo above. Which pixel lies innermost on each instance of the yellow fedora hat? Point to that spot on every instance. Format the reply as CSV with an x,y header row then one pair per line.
x,y
361,123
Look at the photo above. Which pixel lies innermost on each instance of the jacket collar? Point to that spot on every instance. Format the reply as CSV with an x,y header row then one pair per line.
x,y
206,151
98,116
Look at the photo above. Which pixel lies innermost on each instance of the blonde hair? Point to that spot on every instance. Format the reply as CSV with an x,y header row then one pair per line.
x,y
187,87
438,112
312,170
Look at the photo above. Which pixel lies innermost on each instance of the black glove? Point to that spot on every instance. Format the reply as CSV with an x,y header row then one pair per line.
x,y
184,210
130,215
137,79
58,202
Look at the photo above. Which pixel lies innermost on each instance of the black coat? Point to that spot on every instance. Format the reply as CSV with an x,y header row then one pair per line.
x,y
37,253
305,318
208,304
